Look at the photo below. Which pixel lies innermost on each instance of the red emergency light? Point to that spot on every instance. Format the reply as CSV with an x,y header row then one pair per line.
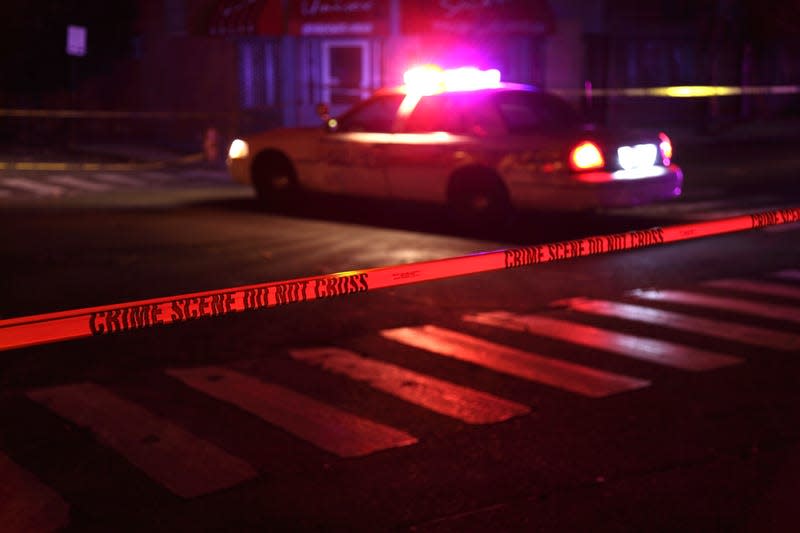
x,y
432,79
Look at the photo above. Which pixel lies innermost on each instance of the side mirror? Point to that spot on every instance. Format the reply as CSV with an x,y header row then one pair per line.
x,y
330,123
323,111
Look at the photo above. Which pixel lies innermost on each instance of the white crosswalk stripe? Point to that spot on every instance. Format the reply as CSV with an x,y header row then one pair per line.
x,y
463,403
79,183
643,348
721,329
118,179
757,287
556,373
62,184
157,176
206,174
329,428
185,464
739,305
789,275
34,186
27,504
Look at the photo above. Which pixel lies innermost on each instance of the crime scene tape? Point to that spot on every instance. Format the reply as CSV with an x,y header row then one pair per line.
x,y
130,316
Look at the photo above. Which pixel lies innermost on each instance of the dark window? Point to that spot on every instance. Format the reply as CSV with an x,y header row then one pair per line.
x,y
440,112
346,74
175,17
376,114
528,112
462,113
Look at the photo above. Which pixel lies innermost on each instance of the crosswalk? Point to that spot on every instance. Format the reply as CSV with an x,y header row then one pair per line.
x,y
64,184
633,339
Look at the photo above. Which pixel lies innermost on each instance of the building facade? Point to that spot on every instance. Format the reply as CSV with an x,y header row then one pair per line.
x,y
295,54
264,63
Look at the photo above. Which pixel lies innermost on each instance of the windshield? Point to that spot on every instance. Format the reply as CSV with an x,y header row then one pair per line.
x,y
375,115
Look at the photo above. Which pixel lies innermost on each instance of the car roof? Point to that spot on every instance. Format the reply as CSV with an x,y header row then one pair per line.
x,y
502,86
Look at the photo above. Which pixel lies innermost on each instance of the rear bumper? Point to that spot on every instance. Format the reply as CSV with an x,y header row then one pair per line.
x,y
602,189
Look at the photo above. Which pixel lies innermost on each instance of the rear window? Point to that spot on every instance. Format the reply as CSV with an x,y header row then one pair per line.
x,y
529,112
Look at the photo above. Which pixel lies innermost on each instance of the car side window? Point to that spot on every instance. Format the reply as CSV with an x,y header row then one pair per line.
x,y
483,119
438,112
374,115
464,113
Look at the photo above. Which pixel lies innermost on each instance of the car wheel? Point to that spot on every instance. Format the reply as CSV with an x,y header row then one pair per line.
x,y
274,181
480,203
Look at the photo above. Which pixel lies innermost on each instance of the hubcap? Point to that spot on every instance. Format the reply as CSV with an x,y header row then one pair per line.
x,y
280,183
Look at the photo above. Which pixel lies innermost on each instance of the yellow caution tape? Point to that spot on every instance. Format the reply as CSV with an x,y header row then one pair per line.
x,y
685,91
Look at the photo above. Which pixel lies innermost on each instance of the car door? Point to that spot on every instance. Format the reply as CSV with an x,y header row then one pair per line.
x,y
442,132
351,154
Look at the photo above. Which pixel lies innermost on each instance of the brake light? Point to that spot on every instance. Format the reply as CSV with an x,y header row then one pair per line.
x,y
586,156
666,148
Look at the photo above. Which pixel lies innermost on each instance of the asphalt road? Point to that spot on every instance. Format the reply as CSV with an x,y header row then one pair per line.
x,y
300,417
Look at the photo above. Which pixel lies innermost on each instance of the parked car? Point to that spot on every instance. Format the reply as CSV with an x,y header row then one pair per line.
x,y
464,139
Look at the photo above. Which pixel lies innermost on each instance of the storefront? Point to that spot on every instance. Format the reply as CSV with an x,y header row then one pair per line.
x,y
339,48
296,54
505,34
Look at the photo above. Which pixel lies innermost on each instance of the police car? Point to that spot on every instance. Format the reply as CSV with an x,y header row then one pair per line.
x,y
464,139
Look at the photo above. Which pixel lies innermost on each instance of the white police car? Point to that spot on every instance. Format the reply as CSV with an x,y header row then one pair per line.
x,y
465,139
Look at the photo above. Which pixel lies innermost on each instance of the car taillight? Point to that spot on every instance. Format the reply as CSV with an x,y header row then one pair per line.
x,y
586,156
666,148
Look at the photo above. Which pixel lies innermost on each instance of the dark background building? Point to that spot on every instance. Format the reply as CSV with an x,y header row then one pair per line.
x,y
239,65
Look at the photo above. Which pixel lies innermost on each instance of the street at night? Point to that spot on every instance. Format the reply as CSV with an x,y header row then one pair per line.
x,y
399,266
104,433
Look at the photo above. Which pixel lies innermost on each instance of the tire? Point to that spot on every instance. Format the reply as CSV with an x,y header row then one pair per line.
x,y
274,181
479,200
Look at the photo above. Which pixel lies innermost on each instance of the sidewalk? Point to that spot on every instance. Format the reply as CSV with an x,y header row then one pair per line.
x,y
768,135
100,156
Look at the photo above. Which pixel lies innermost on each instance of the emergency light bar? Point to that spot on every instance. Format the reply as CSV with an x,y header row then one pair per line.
x,y
432,79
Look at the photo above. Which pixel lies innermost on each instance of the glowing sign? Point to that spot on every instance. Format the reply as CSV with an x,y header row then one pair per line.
x,y
431,79
76,40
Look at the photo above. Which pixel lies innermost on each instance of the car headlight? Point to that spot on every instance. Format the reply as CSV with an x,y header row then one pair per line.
x,y
238,149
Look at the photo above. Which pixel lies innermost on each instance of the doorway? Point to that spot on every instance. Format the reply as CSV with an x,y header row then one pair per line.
x,y
346,73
